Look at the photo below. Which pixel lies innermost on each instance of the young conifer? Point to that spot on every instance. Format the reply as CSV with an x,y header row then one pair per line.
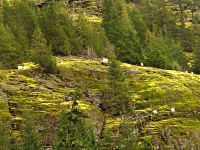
x,y
31,140
196,66
117,94
10,54
120,31
41,53
72,132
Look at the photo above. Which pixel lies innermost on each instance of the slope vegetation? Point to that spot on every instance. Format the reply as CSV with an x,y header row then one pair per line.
x,y
43,96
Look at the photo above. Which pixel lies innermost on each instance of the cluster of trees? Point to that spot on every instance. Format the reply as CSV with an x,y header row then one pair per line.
x,y
29,32
152,32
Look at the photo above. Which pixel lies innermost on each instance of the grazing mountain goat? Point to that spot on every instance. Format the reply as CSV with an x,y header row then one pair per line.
x,y
172,110
155,112
104,61
21,67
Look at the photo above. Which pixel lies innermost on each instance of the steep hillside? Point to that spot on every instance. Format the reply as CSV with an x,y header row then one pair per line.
x,y
44,96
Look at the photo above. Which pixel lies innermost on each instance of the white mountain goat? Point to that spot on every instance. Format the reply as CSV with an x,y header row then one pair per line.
x,y
155,112
104,61
172,110
21,67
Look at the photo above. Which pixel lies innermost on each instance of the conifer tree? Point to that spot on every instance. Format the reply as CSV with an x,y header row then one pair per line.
x,y
31,140
120,31
4,138
138,22
72,132
101,44
117,94
84,31
54,26
196,66
162,52
10,53
21,18
41,53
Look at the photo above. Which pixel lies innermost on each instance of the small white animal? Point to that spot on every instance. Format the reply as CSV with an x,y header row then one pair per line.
x,y
186,71
141,64
155,112
172,110
192,73
105,61
19,67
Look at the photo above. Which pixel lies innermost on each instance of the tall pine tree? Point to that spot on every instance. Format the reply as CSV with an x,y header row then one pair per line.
x,y
72,132
196,66
10,54
30,136
120,31
21,18
162,52
55,26
117,94
41,53
5,136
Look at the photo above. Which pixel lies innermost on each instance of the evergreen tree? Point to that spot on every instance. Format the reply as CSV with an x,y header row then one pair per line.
x,y
163,52
72,132
117,94
54,26
158,17
41,53
120,31
138,22
84,31
92,39
196,66
10,53
21,18
30,136
123,140
5,137
101,44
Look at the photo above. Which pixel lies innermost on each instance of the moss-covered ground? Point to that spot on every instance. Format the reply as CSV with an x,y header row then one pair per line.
x,y
43,96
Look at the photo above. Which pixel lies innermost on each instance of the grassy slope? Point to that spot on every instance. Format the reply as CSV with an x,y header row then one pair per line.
x,y
43,96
